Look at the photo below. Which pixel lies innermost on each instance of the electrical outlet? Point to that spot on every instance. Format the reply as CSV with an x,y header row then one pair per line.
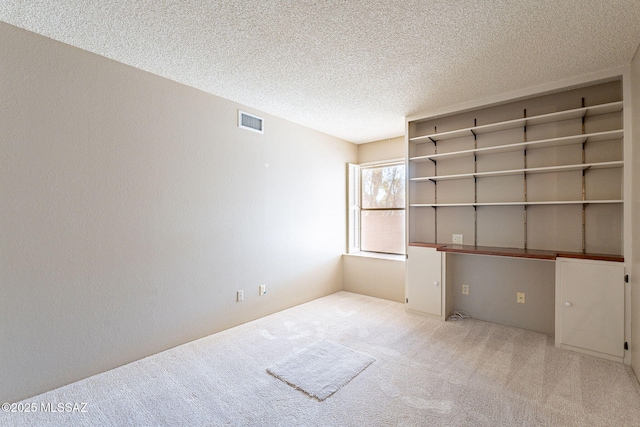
x,y
520,297
465,289
262,290
240,296
456,239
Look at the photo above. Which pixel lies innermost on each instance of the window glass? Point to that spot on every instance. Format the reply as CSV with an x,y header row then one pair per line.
x,y
382,231
382,215
383,187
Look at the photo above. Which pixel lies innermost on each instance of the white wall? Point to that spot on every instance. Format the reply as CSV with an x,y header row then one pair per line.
x,y
132,208
635,217
386,149
375,277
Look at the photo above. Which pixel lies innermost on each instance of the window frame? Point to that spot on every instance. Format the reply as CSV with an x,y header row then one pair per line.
x,y
355,208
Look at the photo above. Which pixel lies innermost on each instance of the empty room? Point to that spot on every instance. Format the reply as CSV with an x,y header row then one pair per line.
x,y
325,213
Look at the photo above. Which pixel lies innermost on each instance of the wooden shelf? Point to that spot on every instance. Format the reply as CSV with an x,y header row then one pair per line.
x,y
495,251
517,252
529,121
520,146
427,245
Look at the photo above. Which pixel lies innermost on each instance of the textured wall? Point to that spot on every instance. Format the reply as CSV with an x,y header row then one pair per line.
x,y
132,208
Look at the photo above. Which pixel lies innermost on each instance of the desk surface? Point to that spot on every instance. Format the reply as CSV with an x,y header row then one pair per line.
x,y
517,252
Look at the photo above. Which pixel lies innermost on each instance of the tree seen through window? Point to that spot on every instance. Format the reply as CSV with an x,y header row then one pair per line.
x,y
383,187
383,203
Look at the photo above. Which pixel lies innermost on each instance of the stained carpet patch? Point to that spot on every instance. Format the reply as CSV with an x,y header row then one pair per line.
x,y
321,369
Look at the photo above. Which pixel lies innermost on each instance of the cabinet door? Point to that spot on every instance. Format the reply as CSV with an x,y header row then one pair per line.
x,y
590,304
424,275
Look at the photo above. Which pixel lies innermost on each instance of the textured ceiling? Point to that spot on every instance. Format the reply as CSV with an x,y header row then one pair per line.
x,y
352,69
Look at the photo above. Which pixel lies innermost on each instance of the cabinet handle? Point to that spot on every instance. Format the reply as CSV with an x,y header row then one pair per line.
x,y
567,304
436,283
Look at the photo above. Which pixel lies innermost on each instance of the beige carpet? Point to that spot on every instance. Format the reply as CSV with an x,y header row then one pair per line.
x,y
426,373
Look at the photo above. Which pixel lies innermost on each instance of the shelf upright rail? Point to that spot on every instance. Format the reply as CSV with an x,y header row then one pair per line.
x,y
435,186
584,192
525,179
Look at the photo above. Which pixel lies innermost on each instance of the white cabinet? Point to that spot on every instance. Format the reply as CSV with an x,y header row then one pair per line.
x,y
424,284
590,307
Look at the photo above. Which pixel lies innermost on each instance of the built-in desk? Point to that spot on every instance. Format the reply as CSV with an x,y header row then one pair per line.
x,y
488,250
578,296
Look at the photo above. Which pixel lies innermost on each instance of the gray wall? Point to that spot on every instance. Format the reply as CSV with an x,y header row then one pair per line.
x,y
132,208
493,284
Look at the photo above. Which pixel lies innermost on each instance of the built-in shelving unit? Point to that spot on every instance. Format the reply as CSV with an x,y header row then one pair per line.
x,y
498,193
504,177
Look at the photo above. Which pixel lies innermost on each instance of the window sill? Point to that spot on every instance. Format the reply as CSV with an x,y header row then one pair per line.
x,y
390,257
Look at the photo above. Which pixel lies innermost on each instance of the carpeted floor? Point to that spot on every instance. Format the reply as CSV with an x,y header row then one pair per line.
x,y
426,373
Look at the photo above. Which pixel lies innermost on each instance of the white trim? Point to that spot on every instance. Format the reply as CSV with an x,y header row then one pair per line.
x,y
353,208
380,163
627,195
378,255
241,126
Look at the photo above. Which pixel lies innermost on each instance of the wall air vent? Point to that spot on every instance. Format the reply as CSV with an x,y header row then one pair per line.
x,y
250,122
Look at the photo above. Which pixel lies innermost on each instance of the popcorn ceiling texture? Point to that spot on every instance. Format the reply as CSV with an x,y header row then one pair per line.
x,y
350,69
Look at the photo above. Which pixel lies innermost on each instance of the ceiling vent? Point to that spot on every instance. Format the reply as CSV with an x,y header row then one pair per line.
x,y
250,122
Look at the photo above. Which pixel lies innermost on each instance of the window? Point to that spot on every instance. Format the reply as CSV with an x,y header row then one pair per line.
x,y
377,208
